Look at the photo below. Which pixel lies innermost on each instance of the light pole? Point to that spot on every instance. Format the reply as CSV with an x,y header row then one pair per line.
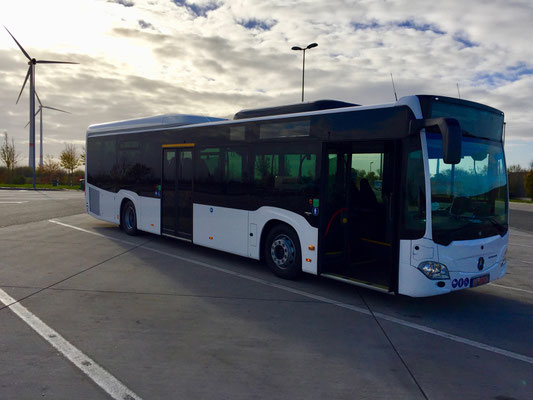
x,y
310,46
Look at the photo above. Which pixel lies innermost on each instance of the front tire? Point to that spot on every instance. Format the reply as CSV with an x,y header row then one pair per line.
x,y
128,219
282,252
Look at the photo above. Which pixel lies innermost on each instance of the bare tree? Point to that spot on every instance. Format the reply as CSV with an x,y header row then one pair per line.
x,y
69,159
50,169
9,155
82,155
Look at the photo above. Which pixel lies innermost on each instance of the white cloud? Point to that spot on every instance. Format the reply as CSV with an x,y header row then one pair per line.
x,y
142,57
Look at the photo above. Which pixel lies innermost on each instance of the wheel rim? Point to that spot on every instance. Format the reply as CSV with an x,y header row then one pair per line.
x,y
282,251
129,218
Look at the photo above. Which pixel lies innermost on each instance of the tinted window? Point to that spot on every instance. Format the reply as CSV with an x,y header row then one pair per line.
x,y
101,153
208,174
284,129
414,193
283,168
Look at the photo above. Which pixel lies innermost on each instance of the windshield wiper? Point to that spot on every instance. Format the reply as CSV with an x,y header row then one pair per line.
x,y
501,227
468,134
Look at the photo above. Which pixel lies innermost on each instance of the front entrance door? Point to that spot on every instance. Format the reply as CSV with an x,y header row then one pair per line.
x,y
358,226
176,192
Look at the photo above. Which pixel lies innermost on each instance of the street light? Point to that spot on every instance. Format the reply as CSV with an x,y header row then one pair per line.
x,y
310,46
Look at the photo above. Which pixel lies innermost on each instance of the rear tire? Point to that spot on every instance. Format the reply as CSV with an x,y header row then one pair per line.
x,y
282,252
128,219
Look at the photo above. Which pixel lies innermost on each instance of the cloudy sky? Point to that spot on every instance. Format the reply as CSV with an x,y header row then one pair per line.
x,y
215,57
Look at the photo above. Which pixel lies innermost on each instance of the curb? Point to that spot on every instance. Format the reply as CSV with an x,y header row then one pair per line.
x,y
37,189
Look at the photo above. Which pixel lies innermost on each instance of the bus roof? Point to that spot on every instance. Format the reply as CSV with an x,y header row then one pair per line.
x,y
293,108
170,120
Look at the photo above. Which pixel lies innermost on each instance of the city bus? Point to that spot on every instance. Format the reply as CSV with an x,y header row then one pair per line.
x,y
405,198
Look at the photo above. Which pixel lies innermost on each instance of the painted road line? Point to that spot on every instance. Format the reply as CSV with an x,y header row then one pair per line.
x,y
336,303
13,202
520,234
512,288
522,261
521,245
110,384
91,232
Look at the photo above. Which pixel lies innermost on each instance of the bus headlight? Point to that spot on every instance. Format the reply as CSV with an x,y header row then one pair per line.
x,y
434,270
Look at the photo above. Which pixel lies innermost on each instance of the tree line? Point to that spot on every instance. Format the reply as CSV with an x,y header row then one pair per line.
x,y
520,181
64,170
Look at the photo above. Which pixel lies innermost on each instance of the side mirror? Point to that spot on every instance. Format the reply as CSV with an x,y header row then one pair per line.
x,y
451,136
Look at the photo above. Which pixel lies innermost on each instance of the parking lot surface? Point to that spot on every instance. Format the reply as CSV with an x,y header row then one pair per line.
x,y
149,317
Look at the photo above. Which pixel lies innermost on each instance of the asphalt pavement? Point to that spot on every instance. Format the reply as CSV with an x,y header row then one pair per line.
x,y
165,319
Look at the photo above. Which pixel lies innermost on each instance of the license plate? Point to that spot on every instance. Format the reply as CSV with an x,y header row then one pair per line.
x,y
480,280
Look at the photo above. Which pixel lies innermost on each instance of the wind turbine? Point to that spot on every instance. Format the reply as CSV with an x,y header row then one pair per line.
x,y
31,74
41,106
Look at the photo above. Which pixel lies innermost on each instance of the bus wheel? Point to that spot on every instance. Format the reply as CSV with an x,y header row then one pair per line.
x,y
128,219
282,252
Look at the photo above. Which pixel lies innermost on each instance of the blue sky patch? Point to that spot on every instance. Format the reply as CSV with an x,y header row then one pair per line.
x,y
410,24
197,10
511,74
145,25
360,26
125,3
257,24
461,38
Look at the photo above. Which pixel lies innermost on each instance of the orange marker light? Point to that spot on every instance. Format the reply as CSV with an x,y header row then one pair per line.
x,y
210,237
308,259
311,247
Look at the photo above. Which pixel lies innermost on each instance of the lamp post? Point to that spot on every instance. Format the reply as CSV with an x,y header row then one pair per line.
x,y
310,46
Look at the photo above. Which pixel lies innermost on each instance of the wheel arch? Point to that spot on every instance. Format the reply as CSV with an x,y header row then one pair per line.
x,y
266,230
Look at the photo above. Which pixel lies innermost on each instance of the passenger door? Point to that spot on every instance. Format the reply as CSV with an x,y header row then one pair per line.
x,y
176,196
358,231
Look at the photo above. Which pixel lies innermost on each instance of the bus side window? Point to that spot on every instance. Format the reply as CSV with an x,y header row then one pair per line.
x,y
234,166
414,202
208,174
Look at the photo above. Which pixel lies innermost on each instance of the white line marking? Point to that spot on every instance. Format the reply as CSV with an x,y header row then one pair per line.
x,y
91,232
520,234
512,288
12,202
523,261
87,365
357,309
517,244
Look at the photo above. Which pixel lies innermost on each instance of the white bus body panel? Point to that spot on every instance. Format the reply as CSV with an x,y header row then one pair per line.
x,y
221,228
461,258
147,209
100,203
239,231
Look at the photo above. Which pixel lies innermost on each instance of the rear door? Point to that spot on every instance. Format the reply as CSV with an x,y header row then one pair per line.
x,y
176,192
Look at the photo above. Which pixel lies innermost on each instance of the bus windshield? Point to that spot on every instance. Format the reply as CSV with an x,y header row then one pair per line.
x,y
469,199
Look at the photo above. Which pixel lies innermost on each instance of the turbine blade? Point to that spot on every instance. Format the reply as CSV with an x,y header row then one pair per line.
x,y
54,62
20,47
24,84
38,99
25,126
56,109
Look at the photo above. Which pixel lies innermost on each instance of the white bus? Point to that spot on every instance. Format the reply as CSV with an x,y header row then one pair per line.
x,y
408,198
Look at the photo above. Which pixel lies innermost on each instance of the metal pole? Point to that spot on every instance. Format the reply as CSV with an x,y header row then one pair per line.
x,y
303,76
41,141
32,120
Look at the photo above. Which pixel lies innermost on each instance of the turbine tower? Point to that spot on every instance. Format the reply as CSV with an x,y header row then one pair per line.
x,y
31,74
41,106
